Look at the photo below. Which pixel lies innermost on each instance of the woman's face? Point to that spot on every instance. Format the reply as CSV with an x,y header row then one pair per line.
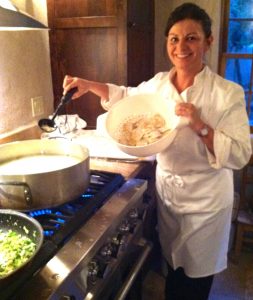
x,y
186,45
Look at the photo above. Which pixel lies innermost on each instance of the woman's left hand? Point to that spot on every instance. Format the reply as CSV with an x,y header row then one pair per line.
x,y
189,111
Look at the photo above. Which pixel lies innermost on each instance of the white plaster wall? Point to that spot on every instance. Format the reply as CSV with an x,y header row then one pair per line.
x,y
25,72
163,8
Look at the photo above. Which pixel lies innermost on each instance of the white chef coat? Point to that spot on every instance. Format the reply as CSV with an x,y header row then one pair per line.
x,y
195,188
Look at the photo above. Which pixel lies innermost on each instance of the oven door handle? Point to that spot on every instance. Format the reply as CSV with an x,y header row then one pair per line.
x,y
147,247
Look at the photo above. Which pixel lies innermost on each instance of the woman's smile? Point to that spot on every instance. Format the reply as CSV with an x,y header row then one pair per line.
x,y
183,55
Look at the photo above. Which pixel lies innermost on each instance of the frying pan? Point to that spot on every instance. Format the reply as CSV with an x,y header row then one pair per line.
x,y
24,225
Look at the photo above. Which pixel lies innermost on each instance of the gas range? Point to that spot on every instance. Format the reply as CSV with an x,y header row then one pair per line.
x,y
87,243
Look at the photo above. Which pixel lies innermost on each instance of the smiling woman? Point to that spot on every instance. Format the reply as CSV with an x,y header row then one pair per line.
x,y
187,44
194,177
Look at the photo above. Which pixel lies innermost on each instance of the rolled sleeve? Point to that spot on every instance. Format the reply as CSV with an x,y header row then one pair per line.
x,y
221,153
232,142
115,94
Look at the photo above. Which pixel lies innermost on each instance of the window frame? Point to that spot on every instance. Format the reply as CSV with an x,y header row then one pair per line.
x,y
224,55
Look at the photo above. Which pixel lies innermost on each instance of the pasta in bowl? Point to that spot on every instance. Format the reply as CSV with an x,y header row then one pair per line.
x,y
142,125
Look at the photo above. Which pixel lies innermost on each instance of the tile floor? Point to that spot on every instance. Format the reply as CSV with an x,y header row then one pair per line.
x,y
235,283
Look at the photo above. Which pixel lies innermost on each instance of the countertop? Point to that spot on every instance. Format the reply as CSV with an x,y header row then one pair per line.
x,y
104,155
127,169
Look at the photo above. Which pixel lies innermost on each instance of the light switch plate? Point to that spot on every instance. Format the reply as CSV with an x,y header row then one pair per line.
x,y
37,106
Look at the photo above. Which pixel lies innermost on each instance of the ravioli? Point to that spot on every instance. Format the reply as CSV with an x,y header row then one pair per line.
x,y
142,130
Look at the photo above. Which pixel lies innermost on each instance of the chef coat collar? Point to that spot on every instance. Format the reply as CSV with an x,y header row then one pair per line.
x,y
198,78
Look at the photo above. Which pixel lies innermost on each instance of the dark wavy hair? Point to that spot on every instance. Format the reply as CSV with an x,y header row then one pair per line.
x,y
190,11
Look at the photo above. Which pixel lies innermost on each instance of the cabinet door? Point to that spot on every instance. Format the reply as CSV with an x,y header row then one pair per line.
x,y
88,40
105,40
140,41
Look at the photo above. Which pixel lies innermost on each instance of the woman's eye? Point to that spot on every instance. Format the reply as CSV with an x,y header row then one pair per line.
x,y
173,40
191,38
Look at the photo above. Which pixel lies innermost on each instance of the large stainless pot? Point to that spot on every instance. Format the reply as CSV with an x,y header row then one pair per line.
x,y
40,186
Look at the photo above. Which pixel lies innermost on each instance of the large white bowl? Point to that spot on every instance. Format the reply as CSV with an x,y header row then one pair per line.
x,y
142,105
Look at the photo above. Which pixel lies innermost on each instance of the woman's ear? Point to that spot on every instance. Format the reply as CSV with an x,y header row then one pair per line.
x,y
209,40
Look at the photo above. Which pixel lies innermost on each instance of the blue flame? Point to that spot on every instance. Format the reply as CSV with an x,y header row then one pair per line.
x,y
87,196
40,212
48,232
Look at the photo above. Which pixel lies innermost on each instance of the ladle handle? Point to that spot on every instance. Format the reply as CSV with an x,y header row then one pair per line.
x,y
65,99
68,96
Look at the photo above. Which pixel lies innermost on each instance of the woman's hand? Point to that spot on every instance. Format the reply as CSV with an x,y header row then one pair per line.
x,y
189,111
84,86
70,82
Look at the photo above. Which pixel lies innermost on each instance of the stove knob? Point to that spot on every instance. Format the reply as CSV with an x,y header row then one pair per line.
x,y
106,251
116,240
133,214
124,227
133,219
93,270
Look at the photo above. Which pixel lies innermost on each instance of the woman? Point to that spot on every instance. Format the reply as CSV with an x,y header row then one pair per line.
x,y
194,177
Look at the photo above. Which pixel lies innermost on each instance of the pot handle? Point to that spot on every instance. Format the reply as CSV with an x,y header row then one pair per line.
x,y
27,190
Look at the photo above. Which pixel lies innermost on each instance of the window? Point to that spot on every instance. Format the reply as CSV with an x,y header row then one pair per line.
x,y
237,47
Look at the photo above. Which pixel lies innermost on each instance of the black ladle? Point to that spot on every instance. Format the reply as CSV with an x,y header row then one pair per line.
x,y
48,125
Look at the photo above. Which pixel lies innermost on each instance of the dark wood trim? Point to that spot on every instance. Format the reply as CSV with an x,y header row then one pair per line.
x,y
223,34
50,12
85,22
241,20
122,41
237,55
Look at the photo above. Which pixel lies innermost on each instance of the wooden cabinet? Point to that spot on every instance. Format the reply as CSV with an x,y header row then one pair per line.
x,y
140,41
105,40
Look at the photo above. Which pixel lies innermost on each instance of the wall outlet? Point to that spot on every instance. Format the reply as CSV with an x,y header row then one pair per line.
x,y
37,106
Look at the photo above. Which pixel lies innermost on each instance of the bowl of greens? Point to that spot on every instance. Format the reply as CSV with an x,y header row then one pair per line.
x,y
21,237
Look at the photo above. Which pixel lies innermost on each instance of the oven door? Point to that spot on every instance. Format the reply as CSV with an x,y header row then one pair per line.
x,y
133,279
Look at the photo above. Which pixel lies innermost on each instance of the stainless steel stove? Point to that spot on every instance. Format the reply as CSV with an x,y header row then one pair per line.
x,y
94,246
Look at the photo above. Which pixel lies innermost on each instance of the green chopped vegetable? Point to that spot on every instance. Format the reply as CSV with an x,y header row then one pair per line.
x,y
15,250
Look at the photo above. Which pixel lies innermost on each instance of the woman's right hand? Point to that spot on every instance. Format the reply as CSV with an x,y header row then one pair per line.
x,y
70,82
84,86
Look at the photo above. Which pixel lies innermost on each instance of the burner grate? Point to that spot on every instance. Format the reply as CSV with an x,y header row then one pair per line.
x,y
60,222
